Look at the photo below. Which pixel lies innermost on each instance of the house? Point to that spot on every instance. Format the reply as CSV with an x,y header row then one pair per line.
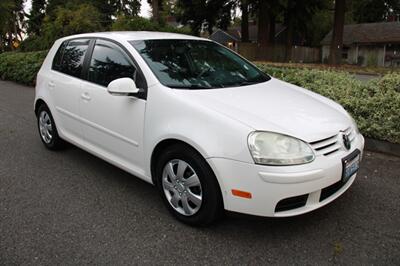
x,y
233,35
368,44
278,52
225,38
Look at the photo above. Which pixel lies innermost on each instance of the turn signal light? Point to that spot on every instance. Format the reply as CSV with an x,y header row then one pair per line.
x,y
242,194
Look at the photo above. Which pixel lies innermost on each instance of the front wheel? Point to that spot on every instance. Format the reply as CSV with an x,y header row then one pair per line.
x,y
188,186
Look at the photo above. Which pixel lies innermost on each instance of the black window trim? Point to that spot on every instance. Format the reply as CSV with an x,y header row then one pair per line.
x,y
66,42
85,69
88,58
62,46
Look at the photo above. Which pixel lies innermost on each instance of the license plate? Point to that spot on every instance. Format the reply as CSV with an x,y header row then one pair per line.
x,y
351,164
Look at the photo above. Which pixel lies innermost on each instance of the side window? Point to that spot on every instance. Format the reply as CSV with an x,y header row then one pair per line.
x,y
58,56
109,62
72,59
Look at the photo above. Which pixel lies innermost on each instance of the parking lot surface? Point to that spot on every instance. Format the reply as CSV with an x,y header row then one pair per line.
x,y
70,207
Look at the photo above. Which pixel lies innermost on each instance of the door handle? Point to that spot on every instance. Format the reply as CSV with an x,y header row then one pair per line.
x,y
51,84
85,96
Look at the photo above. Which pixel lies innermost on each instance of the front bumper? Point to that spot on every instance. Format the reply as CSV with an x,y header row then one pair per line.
x,y
303,187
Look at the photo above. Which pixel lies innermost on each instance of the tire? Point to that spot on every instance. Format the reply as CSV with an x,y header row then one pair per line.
x,y
181,196
48,130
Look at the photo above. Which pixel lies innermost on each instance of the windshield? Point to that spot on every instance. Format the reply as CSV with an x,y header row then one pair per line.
x,y
194,64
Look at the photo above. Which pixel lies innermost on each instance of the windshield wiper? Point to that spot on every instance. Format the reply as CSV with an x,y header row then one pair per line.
x,y
246,83
190,86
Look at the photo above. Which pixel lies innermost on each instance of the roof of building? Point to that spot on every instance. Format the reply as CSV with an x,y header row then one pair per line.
x,y
222,37
368,33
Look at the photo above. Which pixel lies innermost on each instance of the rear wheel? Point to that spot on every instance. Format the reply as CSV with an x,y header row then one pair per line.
x,y
188,186
47,129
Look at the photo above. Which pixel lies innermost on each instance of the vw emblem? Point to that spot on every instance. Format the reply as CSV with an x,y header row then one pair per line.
x,y
346,141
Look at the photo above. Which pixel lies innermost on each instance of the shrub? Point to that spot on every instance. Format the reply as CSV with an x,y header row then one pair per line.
x,y
34,43
21,67
375,105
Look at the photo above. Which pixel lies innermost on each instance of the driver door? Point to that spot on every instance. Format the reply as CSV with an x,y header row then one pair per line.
x,y
112,125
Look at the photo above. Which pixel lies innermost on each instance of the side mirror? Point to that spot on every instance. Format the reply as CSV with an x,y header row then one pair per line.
x,y
122,87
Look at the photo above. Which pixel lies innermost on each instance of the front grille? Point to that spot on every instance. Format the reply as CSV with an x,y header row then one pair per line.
x,y
291,203
332,189
332,144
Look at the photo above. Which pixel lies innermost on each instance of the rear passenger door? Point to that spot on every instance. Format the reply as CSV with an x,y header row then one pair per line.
x,y
113,125
65,86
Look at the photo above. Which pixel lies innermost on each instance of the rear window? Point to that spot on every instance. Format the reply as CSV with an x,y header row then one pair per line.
x,y
69,57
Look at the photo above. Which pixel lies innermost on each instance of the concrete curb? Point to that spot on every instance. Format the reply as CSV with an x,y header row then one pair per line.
x,y
382,146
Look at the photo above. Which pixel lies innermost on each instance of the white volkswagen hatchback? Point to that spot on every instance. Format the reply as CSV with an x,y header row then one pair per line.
x,y
204,125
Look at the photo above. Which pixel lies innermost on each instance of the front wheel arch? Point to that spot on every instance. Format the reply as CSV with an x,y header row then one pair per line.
x,y
38,103
160,148
163,146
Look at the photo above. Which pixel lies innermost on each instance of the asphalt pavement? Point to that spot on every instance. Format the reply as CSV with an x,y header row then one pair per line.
x,y
70,208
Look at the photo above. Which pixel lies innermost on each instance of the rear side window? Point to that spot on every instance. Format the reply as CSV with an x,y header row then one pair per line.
x,y
58,56
72,57
109,62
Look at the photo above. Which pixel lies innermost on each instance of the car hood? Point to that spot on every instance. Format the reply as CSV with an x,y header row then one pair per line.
x,y
275,106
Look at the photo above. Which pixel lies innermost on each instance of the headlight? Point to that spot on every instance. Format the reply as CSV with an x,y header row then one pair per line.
x,y
277,149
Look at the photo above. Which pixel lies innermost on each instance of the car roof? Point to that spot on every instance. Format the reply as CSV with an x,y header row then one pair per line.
x,y
135,35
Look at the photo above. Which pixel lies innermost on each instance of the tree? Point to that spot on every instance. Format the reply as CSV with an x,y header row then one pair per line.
x,y
108,9
12,23
244,7
36,16
156,10
337,35
297,15
319,25
365,11
225,14
6,7
70,20
127,7
205,14
263,23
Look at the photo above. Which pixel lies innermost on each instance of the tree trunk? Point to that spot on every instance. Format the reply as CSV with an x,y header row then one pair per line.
x,y
263,24
335,54
245,21
289,41
289,30
156,6
271,29
10,39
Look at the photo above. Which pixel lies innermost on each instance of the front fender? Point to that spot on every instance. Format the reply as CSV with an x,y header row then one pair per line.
x,y
212,134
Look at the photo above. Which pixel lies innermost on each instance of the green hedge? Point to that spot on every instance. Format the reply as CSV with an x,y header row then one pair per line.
x,y
21,67
375,105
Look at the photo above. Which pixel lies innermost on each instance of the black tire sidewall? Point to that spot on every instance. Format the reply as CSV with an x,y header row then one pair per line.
x,y
212,206
55,142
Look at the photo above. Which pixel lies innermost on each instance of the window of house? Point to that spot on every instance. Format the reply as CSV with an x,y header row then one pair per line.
x,y
345,53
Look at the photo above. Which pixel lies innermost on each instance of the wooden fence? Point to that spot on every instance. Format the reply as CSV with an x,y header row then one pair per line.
x,y
277,53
